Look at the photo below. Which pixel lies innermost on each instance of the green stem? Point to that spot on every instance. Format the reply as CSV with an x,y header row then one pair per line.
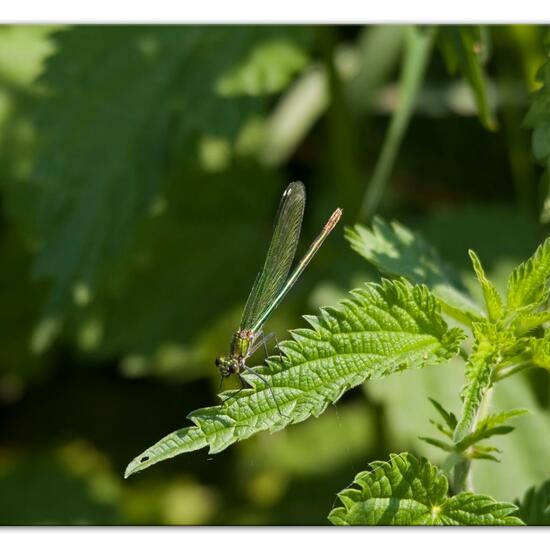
x,y
418,48
462,471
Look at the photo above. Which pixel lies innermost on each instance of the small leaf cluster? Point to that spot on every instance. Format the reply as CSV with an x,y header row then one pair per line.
x,y
506,336
508,333
508,339
468,446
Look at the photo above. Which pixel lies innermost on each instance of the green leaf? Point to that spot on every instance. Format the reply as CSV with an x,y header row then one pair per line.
x,y
466,48
268,69
418,50
121,115
484,452
540,350
397,251
381,330
528,282
493,301
443,429
447,429
443,445
525,322
140,305
479,369
534,508
411,491
524,451
493,424
449,417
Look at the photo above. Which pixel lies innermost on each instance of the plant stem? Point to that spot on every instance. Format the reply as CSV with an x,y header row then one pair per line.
x,y
462,471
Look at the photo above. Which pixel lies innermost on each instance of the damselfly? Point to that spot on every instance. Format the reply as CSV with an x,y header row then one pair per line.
x,y
273,282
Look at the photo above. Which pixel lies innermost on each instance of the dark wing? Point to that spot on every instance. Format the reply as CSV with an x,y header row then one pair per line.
x,y
280,255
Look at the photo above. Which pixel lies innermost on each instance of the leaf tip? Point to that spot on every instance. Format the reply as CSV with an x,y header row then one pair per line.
x,y
136,465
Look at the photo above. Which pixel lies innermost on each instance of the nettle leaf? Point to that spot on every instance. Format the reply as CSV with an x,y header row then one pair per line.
x,y
493,424
528,282
484,452
157,295
525,322
493,301
124,104
410,491
466,48
448,417
479,370
439,443
540,351
399,252
380,330
534,508
446,429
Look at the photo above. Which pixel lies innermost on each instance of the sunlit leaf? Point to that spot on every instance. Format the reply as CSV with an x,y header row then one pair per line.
x,y
397,251
479,369
381,330
490,425
411,491
528,283
493,301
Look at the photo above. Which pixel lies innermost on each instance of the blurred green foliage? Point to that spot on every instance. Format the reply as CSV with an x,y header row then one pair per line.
x,y
139,172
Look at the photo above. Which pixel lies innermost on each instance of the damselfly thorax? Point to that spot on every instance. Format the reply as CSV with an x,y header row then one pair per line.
x,y
242,347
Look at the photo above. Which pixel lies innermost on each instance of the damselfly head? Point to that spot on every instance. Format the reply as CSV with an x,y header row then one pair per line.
x,y
227,366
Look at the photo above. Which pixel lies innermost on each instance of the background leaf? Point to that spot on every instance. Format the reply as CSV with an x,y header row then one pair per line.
x,y
538,116
466,48
166,69
534,507
396,251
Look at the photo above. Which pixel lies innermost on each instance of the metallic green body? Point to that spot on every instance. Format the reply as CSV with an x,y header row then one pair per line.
x,y
240,344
